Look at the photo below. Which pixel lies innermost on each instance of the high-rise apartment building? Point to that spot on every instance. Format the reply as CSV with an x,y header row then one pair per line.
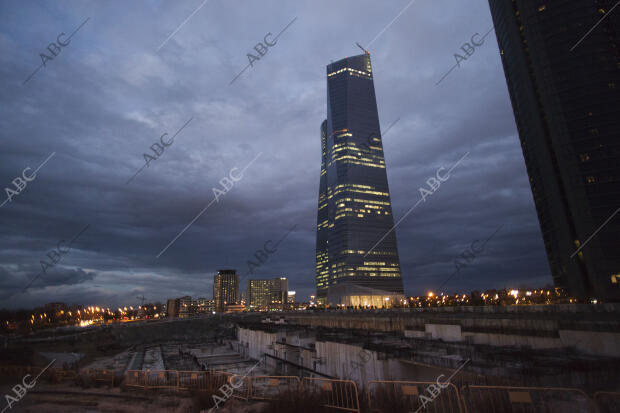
x,y
564,85
355,210
225,289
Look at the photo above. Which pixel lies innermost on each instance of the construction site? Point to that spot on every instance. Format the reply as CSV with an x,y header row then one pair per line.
x,y
457,359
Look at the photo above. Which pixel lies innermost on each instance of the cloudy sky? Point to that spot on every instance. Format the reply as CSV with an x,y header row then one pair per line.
x,y
137,70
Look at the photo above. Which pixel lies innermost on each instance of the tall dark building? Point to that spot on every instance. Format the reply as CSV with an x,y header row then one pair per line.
x,y
566,105
354,210
225,289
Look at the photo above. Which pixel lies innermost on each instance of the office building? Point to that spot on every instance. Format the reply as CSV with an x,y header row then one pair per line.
x,y
279,292
258,294
225,289
564,83
354,208
267,294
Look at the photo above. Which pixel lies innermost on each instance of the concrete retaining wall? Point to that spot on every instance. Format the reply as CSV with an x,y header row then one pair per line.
x,y
591,329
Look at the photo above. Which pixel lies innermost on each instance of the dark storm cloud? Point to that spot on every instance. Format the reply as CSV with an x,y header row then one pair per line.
x,y
109,95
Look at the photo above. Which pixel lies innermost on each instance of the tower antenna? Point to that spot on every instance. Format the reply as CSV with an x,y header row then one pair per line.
x,y
360,46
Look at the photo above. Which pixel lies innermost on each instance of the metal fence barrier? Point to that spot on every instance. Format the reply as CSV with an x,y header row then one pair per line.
x,y
99,375
241,388
395,396
202,380
217,379
179,380
161,379
404,396
501,399
271,387
135,378
62,374
13,371
54,373
336,394
192,380
607,402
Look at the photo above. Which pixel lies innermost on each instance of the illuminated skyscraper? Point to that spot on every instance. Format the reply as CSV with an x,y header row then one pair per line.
x,y
561,61
225,289
354,210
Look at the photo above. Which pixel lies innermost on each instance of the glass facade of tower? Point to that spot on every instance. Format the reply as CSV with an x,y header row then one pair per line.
x,y
322,261
354,199
565,104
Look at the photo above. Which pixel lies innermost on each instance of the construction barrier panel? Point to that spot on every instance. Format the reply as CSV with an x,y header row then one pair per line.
x,y
100,375
180,380
240,385
12,371
192,380
135,378
202,380
61,374
336,394
161,379
271,387
397,396
217,379
500,399
55,374
607,402
33,371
